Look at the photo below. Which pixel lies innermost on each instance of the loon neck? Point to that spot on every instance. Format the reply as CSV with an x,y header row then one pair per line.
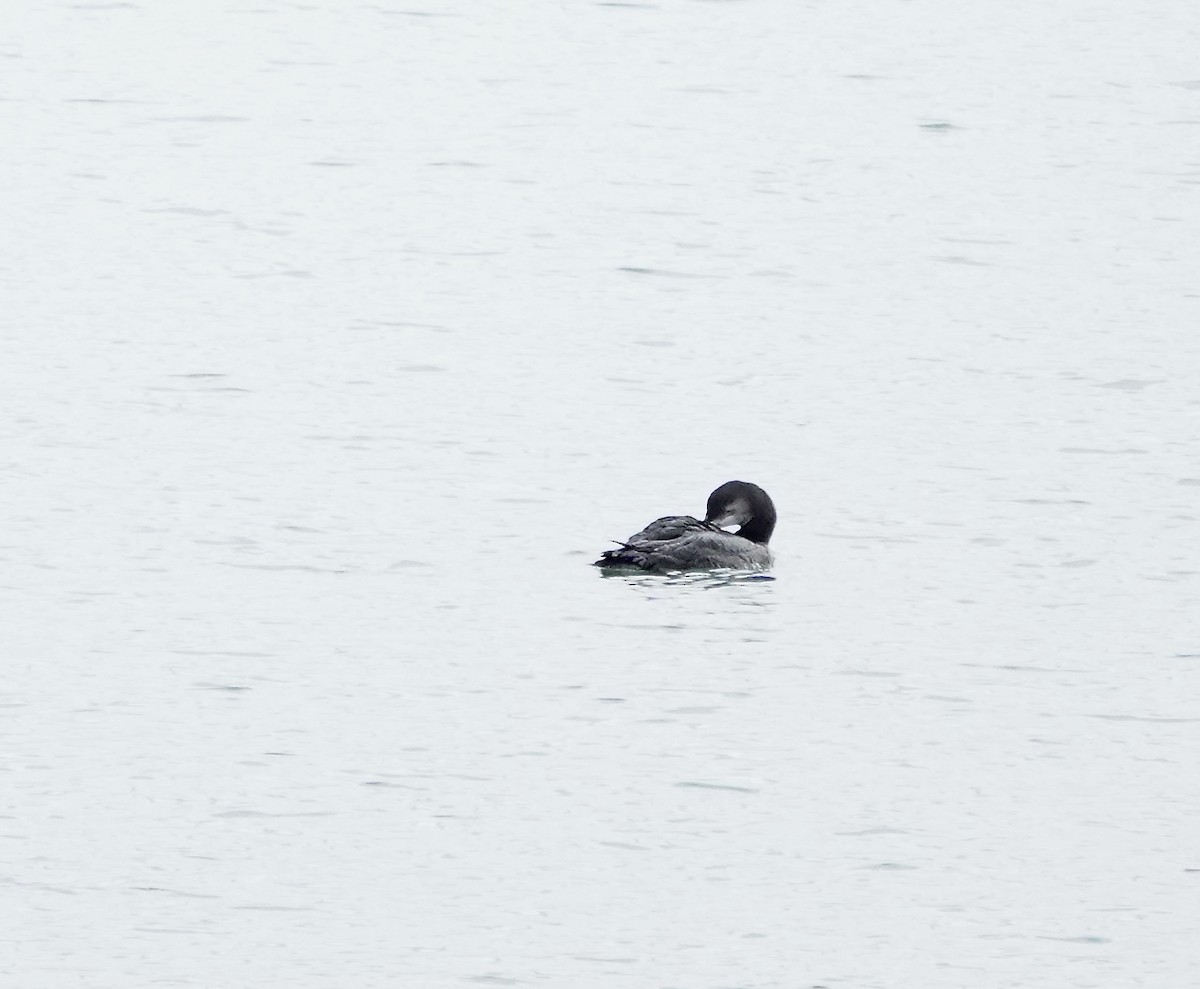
x,y
758,529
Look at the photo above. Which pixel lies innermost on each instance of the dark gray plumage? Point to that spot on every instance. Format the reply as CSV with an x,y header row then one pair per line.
x,y
680,542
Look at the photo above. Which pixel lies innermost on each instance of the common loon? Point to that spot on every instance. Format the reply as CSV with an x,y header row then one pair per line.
x,y
680,542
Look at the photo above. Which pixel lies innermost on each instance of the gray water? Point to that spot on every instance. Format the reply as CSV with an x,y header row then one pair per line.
x,y
340,338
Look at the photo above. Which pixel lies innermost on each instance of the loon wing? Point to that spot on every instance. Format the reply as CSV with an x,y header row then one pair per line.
x,y
663,545
667,528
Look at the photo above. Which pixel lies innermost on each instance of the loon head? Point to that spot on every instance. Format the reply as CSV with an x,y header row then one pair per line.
x,y
742,504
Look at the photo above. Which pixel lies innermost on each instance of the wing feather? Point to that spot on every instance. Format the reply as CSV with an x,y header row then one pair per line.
x,y
680,542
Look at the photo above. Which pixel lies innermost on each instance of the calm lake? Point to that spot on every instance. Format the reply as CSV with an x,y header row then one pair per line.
x,y
339,339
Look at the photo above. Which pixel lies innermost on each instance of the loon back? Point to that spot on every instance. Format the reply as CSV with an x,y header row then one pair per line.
x,y
680,542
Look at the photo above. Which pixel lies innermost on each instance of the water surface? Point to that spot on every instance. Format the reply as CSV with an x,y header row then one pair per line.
x,y
340,340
